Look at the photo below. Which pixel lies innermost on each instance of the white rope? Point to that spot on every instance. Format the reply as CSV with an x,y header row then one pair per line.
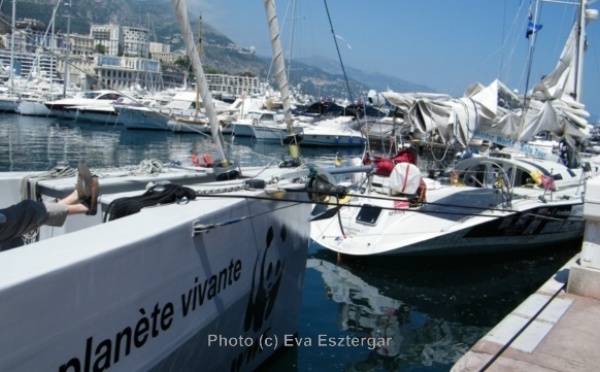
x,y
150,166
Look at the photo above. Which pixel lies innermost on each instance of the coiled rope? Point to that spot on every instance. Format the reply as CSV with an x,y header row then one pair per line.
x,y
130,205
29,182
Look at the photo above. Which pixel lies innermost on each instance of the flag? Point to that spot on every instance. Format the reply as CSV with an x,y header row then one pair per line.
x,y
401,204
548,183
531,27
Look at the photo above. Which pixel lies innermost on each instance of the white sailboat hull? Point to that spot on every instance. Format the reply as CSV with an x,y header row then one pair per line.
x,y
444,230
8,104
157,290
323,136
142,118
269,133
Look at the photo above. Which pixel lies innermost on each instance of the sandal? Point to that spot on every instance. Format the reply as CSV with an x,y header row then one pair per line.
x,y
93,199
84,182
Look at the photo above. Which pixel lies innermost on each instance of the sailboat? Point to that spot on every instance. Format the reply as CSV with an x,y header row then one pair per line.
x,y
485,203
205,283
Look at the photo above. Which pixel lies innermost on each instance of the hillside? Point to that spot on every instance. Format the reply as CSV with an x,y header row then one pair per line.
x,y
320,77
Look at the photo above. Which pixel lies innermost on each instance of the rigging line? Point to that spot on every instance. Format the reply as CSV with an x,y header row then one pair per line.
x,y
424,203
428,203
334,204
513,30
292,34
533,37
338,52
503,38
246,217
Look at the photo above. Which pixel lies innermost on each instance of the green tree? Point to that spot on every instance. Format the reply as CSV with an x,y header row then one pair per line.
x,y
214,71
99,48
183,63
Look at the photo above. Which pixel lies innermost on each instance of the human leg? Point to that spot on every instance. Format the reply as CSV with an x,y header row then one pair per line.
x,y
28,215
86,189
84,199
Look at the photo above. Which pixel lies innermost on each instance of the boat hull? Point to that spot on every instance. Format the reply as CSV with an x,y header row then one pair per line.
x,y
33,108
142,118
165,288
332,140
8,104
453,224
98,116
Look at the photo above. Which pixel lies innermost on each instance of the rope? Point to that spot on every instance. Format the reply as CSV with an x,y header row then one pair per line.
x,y
145,167
130,205
151,166
29,182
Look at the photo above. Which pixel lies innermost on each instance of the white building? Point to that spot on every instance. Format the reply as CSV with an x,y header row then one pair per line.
x,y
233,86
136,41
123,73
108,36
159,48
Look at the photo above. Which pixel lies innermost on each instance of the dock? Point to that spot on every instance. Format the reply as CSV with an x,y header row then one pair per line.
x,y
557,328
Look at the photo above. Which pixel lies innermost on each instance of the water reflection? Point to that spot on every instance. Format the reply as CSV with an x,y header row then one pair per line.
x,y
433,310
37,143
412,336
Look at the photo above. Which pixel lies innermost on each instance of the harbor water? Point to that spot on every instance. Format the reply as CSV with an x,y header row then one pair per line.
x,y
429,311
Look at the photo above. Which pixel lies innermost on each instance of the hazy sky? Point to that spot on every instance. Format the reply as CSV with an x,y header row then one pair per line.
x,y
444,44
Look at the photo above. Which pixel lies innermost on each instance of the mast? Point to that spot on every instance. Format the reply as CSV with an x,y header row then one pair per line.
x,y
67,48
338,52
200,34
580,49
192,52
281,74
12,47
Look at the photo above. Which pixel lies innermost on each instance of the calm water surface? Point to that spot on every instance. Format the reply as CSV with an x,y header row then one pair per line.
x,y
431,310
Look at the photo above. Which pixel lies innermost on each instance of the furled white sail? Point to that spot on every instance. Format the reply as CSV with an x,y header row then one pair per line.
x,y
280,72
496,113
192,51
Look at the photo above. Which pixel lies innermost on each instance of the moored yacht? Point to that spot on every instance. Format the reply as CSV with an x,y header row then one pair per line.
x,y
477,209
62,108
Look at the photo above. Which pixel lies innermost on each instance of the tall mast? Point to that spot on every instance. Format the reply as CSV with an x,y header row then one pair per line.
x,y
200,26
337,48
192,52
200,35
12,47
580,50
282,80
67,48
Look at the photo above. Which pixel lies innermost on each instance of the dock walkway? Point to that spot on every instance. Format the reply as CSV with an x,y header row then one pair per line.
x,y
553,330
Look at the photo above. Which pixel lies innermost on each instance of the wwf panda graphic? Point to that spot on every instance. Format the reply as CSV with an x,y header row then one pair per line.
x,y
268,270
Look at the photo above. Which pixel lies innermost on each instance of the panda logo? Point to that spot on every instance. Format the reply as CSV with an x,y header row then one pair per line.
x,y
268,270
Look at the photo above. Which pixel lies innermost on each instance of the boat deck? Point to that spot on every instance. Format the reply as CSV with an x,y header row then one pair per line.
x,y
561,334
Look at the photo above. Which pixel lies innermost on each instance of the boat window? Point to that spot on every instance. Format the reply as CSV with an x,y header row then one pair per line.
x,y
253,115
109,96
267,118
522,177
368,214
474,176
90,95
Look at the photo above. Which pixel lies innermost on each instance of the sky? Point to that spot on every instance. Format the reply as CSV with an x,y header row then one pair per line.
x,y
446,45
